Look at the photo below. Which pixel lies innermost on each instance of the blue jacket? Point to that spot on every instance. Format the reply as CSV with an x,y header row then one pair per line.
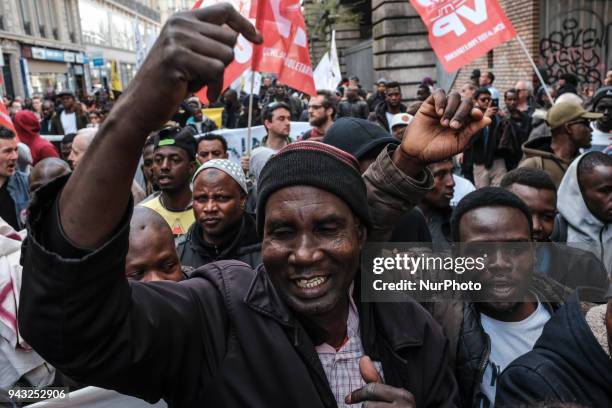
x,y
18,188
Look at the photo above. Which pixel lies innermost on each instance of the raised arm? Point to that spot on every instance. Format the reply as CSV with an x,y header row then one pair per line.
x,y
398,179
192,50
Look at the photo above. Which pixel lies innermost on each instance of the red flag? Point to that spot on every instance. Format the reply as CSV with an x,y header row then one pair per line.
x,y
462,30
285,48
5,118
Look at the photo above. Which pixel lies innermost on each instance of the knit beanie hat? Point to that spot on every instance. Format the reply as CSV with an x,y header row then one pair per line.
x,y
314,164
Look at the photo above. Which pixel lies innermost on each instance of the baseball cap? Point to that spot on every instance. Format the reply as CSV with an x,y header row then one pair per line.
x,y
565,112
177,137
605,92
401,119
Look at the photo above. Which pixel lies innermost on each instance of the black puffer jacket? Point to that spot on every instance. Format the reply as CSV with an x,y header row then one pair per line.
x,y
567,364
470,345
245,247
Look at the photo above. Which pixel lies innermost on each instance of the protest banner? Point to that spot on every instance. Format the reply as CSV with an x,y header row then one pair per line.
x,y
237,138
461,31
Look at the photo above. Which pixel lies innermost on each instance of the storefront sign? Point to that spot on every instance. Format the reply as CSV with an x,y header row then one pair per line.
x,y
69,56
98,61
53,55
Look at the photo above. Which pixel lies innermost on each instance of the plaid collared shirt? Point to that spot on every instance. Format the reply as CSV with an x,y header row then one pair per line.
x,y
342,367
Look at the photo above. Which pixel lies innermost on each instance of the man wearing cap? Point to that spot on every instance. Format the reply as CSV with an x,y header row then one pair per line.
x,y
571,360
223,230
378,96
602,129
399,123
570,126
70,118
173,164
292,333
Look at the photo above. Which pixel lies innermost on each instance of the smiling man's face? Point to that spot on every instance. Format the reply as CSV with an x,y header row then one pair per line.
x,y
311,248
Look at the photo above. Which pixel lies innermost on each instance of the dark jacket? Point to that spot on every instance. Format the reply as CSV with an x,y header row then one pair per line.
x,y
375,99
223,338
512,132
46,126
56,123
353,109
571,267
18,189
539,155
567,364
484,147
245,246
470,344
380,115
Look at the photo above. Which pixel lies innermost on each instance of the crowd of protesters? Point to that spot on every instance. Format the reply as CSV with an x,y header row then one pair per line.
x,y
154,265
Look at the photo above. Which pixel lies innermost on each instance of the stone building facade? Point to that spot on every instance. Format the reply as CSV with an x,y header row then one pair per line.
x,y
41,46
562,36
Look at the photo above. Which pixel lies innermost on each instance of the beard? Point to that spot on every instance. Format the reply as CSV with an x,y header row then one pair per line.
x,y
318,121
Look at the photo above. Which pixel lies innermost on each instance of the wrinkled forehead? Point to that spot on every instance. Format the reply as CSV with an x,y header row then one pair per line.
x,y
305,201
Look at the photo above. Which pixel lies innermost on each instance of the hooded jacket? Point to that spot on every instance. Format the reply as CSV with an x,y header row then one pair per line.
x,y
245,246
27,126
539,155
582,225
567,364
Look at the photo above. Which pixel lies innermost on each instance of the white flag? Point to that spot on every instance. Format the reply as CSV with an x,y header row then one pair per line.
x,y
323,75
335,62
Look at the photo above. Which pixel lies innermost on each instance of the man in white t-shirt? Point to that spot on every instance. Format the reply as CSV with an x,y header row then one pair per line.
x,y
492,327
69,119
602,128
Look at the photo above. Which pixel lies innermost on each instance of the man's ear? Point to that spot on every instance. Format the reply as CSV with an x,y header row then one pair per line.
x,y
194,166
243,199
362,233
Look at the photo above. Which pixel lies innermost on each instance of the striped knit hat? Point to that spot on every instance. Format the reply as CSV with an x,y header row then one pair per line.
x,y
317,165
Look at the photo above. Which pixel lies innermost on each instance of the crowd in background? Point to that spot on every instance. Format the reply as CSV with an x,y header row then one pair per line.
x,y
539,171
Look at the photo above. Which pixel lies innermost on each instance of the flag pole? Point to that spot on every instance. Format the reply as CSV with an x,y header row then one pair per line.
x,y
250,118
535,68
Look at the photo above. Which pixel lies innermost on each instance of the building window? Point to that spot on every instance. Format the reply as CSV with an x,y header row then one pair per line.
x,y
490,59
40,19
70,20
53,19
25,11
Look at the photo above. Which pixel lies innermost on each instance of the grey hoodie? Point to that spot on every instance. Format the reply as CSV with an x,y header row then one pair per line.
x,y
582,226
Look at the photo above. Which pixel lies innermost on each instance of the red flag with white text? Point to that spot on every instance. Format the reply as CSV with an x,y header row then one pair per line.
x,y
5,118
284,51
461,31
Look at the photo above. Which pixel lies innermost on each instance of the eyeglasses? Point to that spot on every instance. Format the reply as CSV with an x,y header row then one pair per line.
x,y
580,122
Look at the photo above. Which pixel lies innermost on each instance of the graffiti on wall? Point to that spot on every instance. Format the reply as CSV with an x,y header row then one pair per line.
x,y
575,49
